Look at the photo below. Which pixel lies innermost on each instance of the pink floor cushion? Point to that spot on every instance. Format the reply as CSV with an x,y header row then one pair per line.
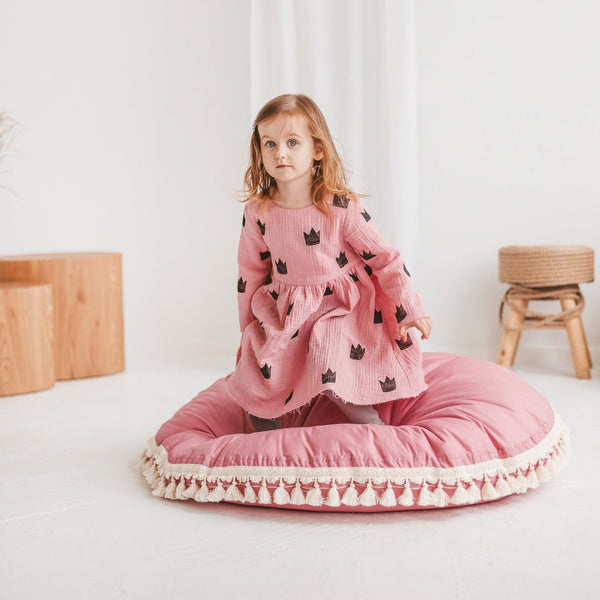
x,y
479,433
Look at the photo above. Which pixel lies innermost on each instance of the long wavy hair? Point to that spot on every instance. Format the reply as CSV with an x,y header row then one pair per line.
x,y
329,176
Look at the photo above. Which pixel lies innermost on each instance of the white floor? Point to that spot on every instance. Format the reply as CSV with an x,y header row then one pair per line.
x,y
78,520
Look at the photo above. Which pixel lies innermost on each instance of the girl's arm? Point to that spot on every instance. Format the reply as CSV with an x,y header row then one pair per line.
x,y
386,263
254,262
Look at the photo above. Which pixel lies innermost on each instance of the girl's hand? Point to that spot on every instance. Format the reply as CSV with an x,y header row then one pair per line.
x,y
423,325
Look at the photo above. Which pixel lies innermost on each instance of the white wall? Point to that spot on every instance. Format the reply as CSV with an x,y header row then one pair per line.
x,y
509,152
134,122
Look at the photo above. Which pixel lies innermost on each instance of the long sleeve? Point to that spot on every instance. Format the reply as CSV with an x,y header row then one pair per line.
x,y
254,263
383,261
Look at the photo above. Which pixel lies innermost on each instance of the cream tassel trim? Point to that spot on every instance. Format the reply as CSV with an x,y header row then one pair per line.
x,y
350,497
388,498
249,494
297,497
369,496
333,496
281,495
434,487
406,498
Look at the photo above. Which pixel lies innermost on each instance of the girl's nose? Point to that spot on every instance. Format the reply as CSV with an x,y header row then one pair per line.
x,y
281,151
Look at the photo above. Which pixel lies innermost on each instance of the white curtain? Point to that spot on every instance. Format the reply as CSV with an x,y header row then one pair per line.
x,y
356,59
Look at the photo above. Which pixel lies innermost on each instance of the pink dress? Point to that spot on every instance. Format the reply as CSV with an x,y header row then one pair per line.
x,y
320,300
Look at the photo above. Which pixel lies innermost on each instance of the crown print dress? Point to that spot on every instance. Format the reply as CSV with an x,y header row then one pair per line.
x,y
320,301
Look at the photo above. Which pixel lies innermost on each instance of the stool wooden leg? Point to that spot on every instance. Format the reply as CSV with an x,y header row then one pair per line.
x,y
579,348
510,339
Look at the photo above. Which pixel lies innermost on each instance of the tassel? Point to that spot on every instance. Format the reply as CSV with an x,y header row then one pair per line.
x,y
202,494
369,496
406,499
350,497
281,495
249,494
440,497
551,466
180,491
159,490
218,493
502,487
314,496
170,489
460,496
297,497
264,497
191,490
388,498
532,480
333,496
474,493
425,496
542,473
517,482
488,491
233,493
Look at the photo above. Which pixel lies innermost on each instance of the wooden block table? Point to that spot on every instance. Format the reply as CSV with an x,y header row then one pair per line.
x,y
26,356
88,308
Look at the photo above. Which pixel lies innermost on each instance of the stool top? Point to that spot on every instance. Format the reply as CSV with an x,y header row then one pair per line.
x,y
546,266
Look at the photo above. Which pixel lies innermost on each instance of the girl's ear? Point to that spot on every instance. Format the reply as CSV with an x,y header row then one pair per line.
x,y
318,151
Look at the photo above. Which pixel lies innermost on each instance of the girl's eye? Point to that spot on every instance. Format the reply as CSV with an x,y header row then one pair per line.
x,y
293,143
270,144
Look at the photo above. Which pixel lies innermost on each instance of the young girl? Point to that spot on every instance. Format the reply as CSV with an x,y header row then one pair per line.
x,y
325,306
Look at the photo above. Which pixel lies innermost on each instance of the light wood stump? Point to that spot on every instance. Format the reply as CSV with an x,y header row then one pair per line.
x,y
88,308
26,356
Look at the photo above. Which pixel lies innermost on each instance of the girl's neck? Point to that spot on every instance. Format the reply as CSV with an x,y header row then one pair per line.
x,y
293,195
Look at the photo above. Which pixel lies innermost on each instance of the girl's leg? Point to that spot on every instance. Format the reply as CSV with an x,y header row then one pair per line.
x,y
359,413
261,424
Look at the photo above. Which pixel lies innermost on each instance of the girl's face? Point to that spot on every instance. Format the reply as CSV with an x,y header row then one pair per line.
x,y
288,150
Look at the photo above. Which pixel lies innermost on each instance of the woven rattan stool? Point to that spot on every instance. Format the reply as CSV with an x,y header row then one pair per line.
x,y
545,273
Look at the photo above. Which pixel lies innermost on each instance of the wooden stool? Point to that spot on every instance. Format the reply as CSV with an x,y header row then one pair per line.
x,y
26,358
545,273
88,308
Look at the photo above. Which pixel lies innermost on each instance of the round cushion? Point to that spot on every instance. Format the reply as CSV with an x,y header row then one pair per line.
x,y
478,433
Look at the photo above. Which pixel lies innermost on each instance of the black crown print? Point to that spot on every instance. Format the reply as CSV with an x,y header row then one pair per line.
x,y
404,345
328,376
340,201
261,226
328,291
357,353
265,255
266,371
281,267
368,270
295,335
341,260
289,310
388,385
366,215
241,285
274,294
243,220
406,270
377,318
312,238
289,397
400,313
354,277
367,255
